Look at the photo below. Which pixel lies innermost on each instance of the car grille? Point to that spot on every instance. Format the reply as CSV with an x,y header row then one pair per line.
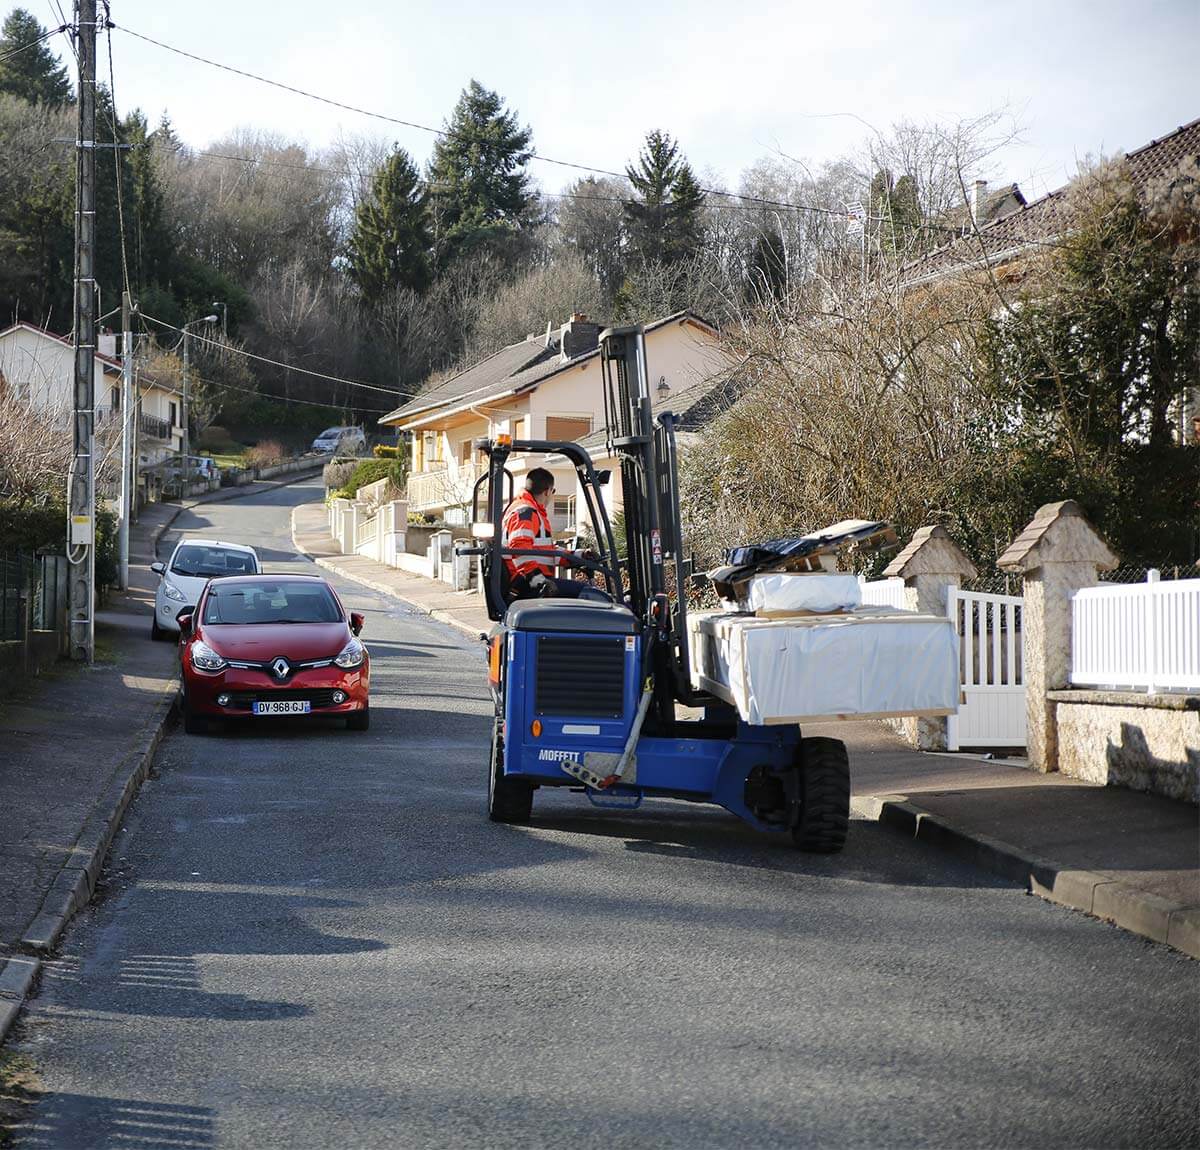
x,y
577,676
243,700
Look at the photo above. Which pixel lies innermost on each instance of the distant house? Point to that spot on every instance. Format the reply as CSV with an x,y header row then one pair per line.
x,y
39,366
545,387
1012,233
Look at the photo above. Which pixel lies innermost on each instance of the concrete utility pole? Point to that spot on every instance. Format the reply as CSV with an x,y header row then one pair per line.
x,y
128,417
81,492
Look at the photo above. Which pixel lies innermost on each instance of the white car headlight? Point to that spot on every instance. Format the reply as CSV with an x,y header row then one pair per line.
x,y
351,655
204,657
173,592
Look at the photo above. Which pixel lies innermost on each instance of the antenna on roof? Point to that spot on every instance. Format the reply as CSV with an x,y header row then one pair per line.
x,y
549,329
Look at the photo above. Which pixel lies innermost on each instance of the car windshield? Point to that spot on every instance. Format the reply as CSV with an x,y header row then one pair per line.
x,y
242,603
199,561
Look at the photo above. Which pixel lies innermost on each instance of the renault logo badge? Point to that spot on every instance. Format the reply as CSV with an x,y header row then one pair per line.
x,y
281,668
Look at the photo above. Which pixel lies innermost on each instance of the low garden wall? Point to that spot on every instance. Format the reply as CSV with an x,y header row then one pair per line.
x,y
1129,739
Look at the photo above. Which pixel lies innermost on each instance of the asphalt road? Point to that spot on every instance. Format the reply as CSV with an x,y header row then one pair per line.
x,y
313,938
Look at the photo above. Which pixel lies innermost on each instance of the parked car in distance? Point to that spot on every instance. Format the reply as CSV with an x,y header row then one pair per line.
x,y
262,645
192,564
340,440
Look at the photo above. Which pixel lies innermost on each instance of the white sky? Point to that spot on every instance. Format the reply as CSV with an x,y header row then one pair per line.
x,y
733,82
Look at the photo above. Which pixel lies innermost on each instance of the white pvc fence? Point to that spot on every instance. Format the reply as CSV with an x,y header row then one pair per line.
x,y
990,651
884,593
1139,635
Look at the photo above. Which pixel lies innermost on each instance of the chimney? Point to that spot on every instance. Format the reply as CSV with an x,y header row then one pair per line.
x,y
106,343
577,337
978,199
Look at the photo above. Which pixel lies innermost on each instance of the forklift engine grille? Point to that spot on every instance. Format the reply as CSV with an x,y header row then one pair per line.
x,y
578,676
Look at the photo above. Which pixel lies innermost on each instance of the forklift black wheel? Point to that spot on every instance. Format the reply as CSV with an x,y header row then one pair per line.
x,y
509,801
821,815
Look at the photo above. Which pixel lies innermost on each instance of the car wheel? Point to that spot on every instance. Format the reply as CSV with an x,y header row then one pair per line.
x,y
193,724
359,720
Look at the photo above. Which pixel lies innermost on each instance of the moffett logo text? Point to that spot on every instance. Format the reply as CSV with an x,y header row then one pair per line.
x,y
555,756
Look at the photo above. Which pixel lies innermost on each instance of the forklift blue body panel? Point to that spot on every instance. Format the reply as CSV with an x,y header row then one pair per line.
x,y
582,690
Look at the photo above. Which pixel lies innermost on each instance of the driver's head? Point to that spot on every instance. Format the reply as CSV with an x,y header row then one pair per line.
x,y
540,484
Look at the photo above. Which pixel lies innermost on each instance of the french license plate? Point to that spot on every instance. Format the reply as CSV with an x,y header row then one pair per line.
x,y
283,707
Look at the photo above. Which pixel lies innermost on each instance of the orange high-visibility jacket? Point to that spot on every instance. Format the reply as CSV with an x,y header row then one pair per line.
x,y
527,527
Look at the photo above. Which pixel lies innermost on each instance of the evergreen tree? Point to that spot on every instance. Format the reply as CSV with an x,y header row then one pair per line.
x,y
664,224
478,184
391,242
146,217
34,74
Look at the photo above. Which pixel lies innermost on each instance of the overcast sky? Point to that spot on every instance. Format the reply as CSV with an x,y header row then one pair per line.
x,y
732,81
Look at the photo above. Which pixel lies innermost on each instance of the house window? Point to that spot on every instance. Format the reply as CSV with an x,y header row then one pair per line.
x,y
564,509
566,428
114,398
174,415
465,449
521,428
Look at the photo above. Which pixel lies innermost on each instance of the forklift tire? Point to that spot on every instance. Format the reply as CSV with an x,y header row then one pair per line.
x,y
822,809
509,801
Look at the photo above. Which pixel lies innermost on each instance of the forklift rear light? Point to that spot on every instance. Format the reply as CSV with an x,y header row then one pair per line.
x,y
535,728
494,652
503,440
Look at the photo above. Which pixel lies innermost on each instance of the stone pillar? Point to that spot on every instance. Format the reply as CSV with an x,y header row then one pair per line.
x,y
930,565
1059,553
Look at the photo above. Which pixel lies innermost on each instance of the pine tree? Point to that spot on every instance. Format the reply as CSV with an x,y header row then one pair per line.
x,y
664,224
390,244
34,74
478,184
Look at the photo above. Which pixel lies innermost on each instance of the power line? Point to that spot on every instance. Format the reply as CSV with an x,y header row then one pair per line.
x,y
33,43
449,134
113,118
389,391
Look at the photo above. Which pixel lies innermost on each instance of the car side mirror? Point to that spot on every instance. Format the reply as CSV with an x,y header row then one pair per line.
x,y
158,568
357,620
184,619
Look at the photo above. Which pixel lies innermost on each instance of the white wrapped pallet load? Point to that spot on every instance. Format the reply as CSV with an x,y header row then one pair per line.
x,y
876,662
784,593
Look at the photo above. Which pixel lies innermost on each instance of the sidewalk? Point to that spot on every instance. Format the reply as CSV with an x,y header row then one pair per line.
x,y
1129,858
77,744
461,609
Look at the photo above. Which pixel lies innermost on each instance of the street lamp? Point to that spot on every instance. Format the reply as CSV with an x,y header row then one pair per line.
x,y
224,319
184,445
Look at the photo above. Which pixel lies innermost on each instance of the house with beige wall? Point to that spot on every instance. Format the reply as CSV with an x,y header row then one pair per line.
x,y
545,387
39,366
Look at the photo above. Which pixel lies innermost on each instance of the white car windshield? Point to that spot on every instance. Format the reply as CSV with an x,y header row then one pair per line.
x,y
197,561
244,603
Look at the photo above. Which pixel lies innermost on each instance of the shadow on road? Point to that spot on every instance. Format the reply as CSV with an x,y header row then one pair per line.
x,y
90,1122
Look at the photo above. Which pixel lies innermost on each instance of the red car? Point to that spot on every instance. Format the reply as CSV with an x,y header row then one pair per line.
x,y
257,645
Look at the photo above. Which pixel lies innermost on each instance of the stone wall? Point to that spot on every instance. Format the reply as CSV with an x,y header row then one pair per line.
x,y
1144,742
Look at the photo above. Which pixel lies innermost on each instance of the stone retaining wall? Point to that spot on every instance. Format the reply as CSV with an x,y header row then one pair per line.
x,y
1144,742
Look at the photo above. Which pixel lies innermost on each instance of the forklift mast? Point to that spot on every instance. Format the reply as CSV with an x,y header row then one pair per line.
x,y
656,572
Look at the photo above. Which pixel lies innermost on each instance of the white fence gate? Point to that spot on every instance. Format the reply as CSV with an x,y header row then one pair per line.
x,y
992,713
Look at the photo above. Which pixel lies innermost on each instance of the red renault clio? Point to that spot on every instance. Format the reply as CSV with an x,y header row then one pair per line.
x,y
272,645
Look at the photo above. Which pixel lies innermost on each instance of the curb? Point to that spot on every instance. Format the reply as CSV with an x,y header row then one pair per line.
x,y
433,612
1096,894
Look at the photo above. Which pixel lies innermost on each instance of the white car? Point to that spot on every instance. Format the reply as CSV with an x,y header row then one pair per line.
x,y
192,564
346,440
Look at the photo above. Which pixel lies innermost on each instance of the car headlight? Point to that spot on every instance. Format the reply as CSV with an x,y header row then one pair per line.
x,y
351,655
173,592
204,657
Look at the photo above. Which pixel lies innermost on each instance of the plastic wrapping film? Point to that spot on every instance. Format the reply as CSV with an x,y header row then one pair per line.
x,y
875,662
787,592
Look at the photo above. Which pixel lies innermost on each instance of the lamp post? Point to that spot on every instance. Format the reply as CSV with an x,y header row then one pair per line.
x,y
224,319
184,443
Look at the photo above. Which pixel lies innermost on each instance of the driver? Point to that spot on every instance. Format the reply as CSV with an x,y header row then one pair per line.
x,y
527,528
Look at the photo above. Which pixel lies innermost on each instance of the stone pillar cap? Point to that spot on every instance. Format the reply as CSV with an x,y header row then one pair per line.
x,y
1058,533
931,551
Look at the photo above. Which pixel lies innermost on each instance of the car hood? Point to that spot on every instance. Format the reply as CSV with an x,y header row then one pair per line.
x,y
260,642
190,585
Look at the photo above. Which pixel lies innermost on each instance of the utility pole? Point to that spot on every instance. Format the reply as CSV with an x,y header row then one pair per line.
x,y
184,443
128,417
81,493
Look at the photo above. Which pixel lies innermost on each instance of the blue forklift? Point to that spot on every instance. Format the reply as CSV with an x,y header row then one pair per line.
x,y
588,691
